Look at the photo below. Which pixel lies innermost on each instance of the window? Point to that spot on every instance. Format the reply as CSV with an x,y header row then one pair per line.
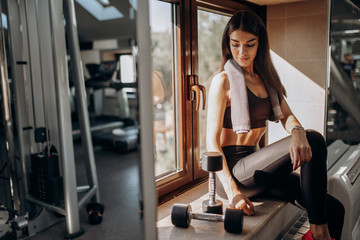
x,y
163,79
186,51
210,29
127,69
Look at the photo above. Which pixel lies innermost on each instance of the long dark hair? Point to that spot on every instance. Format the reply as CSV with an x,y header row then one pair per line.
x,y
249,22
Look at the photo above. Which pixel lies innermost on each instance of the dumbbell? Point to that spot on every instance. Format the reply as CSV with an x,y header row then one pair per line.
x,y
95,212
181,216
212,162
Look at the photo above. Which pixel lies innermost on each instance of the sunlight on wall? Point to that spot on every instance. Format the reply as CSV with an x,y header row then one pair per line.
x,y
305,98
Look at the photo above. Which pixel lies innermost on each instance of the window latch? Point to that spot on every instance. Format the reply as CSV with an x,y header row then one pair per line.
x,y
195,90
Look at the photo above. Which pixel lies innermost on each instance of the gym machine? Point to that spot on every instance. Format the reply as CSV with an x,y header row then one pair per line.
x,y
115,129
39,146
344,184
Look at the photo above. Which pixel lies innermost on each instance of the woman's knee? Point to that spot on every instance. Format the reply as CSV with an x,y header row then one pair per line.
x,y
315,137
317,143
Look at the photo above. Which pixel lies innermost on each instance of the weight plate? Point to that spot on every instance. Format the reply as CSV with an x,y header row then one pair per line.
x,y
233,222
180,215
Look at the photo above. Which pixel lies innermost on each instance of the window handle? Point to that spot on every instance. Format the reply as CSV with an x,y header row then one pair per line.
x,y
203,91
195,90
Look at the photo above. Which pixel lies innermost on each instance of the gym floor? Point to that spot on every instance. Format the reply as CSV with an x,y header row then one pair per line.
x,y
118,175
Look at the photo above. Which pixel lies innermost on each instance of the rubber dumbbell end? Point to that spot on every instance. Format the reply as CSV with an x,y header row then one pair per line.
x,y
215,208
233,221
95,217
95,211
95,206
212,161
180,215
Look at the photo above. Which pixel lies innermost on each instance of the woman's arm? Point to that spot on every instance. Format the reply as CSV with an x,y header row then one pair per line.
x,y
216,108
300,151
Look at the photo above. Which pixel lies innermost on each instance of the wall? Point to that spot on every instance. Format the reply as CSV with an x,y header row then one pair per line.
x,y
298,41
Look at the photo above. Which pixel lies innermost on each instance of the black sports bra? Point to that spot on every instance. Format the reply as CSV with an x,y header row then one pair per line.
x,y
260,109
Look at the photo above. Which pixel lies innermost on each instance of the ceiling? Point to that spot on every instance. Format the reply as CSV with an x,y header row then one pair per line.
x,y
343,17
90,29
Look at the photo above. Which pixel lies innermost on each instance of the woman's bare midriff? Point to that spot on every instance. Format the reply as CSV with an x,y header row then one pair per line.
x,y
252,138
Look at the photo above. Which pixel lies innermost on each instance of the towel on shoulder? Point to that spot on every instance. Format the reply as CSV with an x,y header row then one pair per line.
x,y
240,116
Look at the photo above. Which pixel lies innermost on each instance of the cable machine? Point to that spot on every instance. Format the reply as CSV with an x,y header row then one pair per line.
x,y
41,143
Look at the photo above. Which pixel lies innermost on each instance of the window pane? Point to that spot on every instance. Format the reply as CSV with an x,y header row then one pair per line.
x,y
163,79
210,29
127,68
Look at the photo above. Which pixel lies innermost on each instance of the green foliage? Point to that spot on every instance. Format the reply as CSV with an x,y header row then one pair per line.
x,y
162,55
210,30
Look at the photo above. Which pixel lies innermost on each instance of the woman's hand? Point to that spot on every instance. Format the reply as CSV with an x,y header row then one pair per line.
x,y
300,150
240,201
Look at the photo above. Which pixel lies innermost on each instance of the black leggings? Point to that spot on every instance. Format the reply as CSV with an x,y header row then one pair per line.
x,y
271,167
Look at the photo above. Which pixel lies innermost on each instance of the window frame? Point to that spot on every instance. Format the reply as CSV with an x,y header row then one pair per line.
x,y
187,65
174,180
225,7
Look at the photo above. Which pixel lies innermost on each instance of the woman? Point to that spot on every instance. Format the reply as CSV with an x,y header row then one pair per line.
x,y
245,44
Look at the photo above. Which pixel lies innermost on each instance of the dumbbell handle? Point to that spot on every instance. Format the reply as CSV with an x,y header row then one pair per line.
x,y
207,216
212,188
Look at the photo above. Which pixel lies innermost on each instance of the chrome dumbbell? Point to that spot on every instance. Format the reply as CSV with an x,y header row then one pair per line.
x,y
212,162
181,216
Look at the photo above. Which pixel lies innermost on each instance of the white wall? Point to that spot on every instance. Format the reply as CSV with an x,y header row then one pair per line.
x,y
298,37
305,98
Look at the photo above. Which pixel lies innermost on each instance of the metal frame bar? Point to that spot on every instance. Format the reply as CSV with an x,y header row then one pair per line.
x,y
327,73
353,5
48,71
47,205
88,196
34,56
5,105
64,119
19,57
81,189
146,134
73,41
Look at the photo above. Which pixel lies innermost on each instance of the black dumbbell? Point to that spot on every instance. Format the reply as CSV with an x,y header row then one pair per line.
x,y
181,216
212,162
95,212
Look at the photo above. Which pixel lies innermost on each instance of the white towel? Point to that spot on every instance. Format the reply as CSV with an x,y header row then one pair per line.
x,y
240,116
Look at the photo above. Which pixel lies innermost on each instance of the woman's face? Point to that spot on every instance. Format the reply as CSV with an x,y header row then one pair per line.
x,y
243,46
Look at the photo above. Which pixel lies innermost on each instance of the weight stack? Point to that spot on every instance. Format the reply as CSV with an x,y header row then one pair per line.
x,y
45,180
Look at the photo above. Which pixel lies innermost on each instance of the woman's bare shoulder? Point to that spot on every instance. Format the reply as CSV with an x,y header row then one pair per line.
x,y
221,81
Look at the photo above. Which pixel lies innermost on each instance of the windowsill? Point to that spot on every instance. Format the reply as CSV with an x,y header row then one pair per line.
x,y
272,219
